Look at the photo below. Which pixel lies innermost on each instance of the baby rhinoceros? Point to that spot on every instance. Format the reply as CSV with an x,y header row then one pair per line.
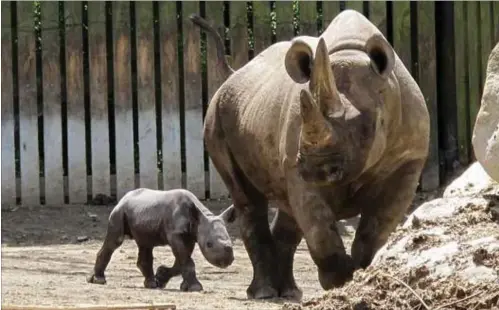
x,y
173,217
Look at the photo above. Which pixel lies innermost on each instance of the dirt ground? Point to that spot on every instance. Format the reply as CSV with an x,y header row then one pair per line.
x,y
48,251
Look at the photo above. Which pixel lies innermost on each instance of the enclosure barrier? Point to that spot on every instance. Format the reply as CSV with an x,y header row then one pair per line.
x,y
99,98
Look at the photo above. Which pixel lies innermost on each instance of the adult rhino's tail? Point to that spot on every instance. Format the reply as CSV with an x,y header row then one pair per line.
x,y
203,23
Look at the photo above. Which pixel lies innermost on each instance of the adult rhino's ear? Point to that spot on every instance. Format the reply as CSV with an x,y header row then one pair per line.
x,y
381,54
229,214
298,61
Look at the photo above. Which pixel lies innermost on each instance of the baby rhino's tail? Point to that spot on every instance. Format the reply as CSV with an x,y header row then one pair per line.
x,y
117,227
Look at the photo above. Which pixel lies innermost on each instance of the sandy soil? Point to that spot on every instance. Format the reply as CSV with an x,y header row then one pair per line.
x,y
43,263
48,251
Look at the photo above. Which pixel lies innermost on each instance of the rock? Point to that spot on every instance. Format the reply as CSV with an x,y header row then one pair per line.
x,y
451,238
433,256
478,274
101,199
473,181
494,212
485,138
82,239
441,208
93,216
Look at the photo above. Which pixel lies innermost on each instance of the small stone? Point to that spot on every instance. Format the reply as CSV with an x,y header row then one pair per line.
x,y
82,238
460,293
494,212
64,237
480,255
362,305
416,222
93,216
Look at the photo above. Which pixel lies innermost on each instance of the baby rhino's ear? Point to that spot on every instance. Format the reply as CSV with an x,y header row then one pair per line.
x,y
229,214
185,220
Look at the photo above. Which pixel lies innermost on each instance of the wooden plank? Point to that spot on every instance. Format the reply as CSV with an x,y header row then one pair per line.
x,y
329,11
461,71
308,18
238,32
486,34
107,307
101,181
7,107
430,178
216,77
446,95
146,99
402,31
194,144
261,25
125,172
495,12
377,15
494,23
354,5
52,121
474,58
170,96
284,15
28,111
77,170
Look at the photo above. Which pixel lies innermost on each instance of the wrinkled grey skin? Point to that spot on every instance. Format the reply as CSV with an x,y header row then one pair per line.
x,y
174,217
327,128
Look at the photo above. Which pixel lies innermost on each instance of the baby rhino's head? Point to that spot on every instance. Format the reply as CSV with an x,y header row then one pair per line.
x,y
214,240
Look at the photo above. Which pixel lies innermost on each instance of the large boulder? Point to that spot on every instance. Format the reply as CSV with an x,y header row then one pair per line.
x,y
486,132
444,256
474,181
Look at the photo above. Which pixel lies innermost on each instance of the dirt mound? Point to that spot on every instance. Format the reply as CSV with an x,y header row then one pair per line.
x,y
445,256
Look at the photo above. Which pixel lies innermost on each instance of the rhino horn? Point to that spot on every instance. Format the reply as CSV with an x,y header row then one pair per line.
x,y
315,130
322,83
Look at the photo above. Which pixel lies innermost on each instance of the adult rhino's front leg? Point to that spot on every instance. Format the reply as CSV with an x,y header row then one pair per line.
x,y
384,206
251,206
318,224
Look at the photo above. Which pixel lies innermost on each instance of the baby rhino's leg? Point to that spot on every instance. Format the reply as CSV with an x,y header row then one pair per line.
x,y
144,263
114,239
190,282
182,248
164,274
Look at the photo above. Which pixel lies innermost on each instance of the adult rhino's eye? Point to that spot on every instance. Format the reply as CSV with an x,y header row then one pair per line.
x,y
209,244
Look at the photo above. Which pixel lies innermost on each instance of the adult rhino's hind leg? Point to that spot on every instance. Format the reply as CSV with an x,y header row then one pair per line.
x,y
251,206
287,236
259,244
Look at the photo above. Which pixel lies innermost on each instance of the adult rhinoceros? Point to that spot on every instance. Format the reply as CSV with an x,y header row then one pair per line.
x,y
327,128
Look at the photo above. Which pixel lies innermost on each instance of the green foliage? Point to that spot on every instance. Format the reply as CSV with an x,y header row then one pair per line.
x,y
37,11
